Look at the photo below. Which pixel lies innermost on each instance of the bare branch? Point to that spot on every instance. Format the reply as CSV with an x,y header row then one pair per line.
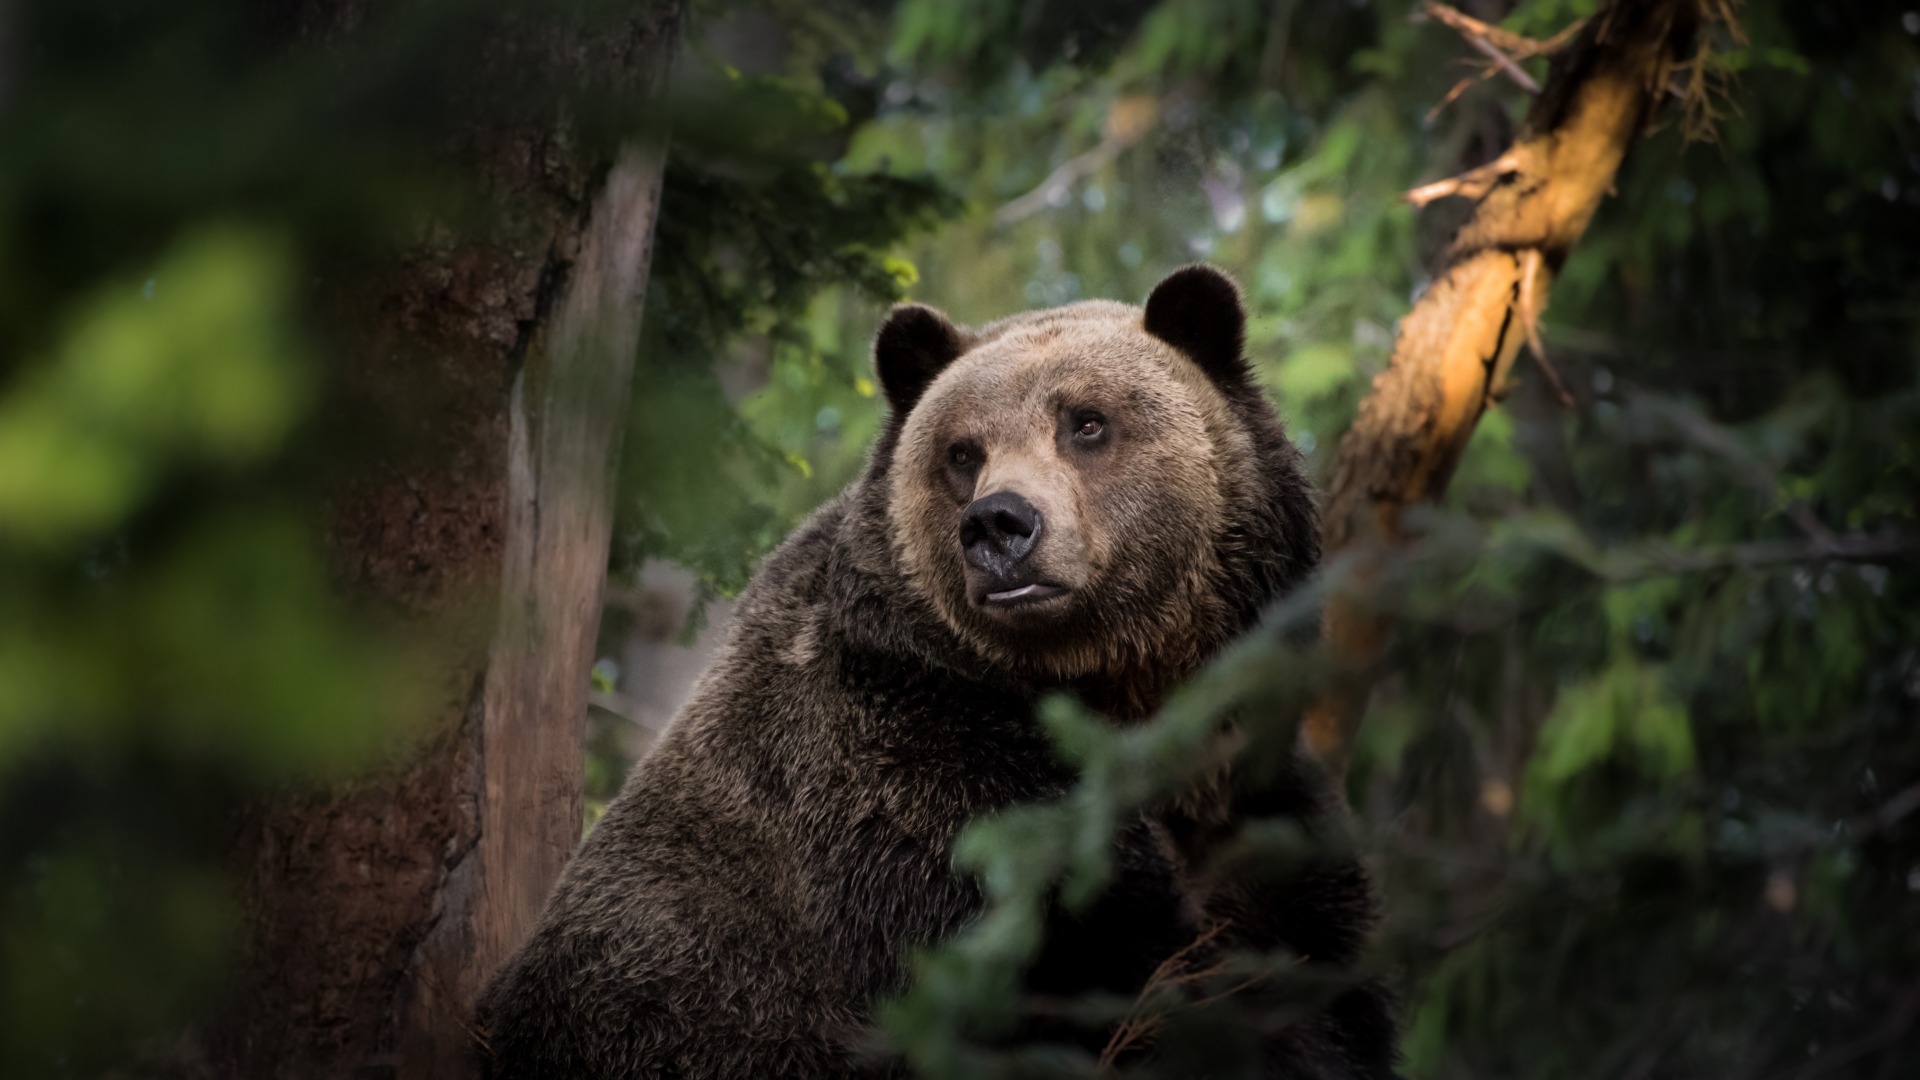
x,y
1063,178
1898,1025
1519,46
1505,63
1140,1020
1704,433
1461,87
1472,184
1654,560
1889,813
1470,27
1502,47
1127,123
1532,302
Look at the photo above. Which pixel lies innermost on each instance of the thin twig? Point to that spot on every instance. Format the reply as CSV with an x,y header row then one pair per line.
x,y
1649,560
1070,172
1709,436
1898,1025
1889,813
1553,45
1519,46
1503,48
1244,984
1505,63
1461,87
1663,558
1170,973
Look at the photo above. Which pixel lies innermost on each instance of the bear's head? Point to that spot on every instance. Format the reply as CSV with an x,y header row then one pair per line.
x,y
1095,490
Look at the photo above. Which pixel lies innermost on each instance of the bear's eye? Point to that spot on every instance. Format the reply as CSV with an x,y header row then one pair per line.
x,y
1089,426
960,456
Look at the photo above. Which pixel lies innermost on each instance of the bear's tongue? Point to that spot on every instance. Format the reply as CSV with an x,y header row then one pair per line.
x,y
1035,591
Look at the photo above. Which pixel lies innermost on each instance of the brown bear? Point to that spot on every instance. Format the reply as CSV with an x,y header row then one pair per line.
x,y
1093,499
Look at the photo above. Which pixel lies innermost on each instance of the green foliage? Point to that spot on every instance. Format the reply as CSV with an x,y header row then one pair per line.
x,y
1622,714
165,653
175,646
761,247
193,367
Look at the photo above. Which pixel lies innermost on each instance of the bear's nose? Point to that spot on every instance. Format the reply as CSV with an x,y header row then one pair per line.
x,y
999,531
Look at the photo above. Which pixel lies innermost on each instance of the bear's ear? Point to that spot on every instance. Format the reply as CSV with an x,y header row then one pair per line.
x,y
915,344
1197,310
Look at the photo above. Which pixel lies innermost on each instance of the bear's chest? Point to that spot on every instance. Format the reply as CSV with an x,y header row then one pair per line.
x,y
922,761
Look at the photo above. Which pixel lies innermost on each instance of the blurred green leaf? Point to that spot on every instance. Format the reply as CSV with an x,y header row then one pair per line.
x,y
194,366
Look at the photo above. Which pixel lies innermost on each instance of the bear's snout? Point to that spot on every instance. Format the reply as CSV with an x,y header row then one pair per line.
x,y
999,531
997,534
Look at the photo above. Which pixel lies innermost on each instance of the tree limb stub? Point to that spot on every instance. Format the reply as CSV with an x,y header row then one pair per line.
x,y
1457,346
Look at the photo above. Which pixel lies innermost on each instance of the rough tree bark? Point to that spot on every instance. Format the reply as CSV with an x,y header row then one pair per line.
x,y
505,355
1456,347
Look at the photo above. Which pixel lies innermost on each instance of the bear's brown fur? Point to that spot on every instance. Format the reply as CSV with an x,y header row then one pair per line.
x,y
763,875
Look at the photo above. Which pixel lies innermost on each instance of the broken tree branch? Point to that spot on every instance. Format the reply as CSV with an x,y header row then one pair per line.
x,y
1504,47
1504,62
1457,346
1519,46
1461,87
1472,184
1532,301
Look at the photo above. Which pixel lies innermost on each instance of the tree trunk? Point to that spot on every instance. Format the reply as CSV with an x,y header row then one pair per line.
x,y
506,359
1456,347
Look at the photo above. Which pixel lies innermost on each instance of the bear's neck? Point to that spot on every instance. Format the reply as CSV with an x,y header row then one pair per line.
x,y
1122,700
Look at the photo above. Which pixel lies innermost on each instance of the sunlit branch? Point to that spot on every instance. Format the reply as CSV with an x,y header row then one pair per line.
x,y
1472,184
1455,349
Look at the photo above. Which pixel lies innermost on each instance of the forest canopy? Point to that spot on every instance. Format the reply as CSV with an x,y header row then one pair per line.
x,y
1638,772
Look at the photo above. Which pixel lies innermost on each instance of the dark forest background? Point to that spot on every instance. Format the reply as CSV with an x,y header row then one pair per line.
x,y
1640,774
